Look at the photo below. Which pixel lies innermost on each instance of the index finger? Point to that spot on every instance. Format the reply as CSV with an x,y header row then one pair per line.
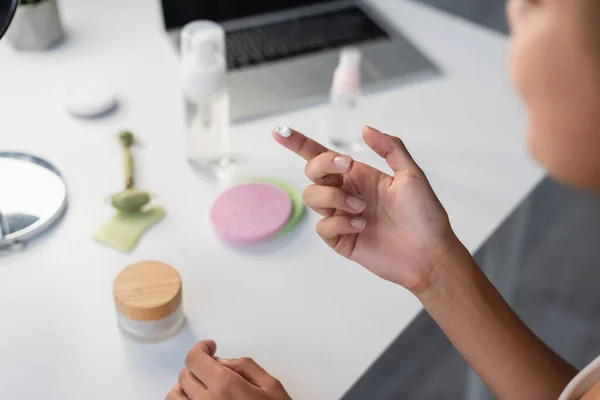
x,y
200,362
302,145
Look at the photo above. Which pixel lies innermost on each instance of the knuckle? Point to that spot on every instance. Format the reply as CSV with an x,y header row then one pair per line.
x,y
190,357
273,385
317,167
302,146
246,361
396,140
182,376
321,227
307,194
311,168
329,156
322,197
307,169
414,171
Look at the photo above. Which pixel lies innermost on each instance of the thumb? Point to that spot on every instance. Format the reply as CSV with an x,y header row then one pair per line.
x,y
391,148
207,346
249,370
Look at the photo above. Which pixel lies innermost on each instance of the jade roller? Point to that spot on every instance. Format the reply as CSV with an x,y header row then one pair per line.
x,y
131,199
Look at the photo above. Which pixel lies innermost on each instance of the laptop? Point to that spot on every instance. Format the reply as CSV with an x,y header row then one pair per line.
x,y
281,54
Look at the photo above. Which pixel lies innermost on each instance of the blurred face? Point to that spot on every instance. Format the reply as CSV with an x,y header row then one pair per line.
x,y
555,65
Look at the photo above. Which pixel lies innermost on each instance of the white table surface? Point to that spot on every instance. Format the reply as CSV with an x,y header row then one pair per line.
x,y
313,319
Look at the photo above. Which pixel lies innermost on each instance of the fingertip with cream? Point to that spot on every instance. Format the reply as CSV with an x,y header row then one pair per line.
x,y
284,131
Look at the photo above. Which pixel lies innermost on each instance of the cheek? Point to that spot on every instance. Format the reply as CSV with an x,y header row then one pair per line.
x,y
535,68
563,110
532,52
525,67
519,66
530,49
558,83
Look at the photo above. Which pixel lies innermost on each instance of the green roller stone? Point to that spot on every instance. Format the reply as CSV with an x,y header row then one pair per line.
x,y
297,203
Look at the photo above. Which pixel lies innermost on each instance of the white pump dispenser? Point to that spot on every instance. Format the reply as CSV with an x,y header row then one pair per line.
x,y
204,84
344,124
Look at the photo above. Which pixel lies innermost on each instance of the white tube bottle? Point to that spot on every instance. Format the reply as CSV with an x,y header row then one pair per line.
x,y
344,122
204,83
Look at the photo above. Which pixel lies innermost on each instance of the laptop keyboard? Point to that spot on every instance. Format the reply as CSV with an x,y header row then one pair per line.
x,y
267,43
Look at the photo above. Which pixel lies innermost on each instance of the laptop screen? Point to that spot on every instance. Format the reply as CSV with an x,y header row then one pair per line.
x,y
179,12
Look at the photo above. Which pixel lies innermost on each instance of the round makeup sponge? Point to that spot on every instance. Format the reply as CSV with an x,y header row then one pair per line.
x,y
250,213
297,203
88,97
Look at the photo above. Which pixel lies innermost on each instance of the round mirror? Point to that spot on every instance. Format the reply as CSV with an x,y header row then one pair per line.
x,y
33,195
7,10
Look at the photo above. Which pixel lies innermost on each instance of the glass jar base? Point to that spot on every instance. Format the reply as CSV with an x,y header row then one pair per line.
x,y
152,331
155,339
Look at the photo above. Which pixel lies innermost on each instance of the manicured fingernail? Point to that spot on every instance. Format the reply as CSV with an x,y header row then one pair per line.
x,y
342,161
284,131
355,203
358,223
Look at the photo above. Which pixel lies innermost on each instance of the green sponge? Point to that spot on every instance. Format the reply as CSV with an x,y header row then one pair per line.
x,y
124,229
297,203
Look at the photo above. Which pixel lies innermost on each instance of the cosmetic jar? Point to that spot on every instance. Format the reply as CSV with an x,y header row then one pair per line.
x,y
148,301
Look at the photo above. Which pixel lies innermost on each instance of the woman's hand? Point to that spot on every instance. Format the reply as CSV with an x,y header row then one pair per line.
x,y
207,378
393,225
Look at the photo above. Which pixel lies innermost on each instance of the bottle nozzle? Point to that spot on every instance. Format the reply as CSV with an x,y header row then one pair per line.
x,y
203,63
349,58
346,78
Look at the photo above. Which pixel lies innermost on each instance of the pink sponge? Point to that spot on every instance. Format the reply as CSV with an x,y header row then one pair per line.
x,y
250,213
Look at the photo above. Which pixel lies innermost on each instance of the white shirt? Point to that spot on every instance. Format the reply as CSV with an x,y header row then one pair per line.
x,y
583,382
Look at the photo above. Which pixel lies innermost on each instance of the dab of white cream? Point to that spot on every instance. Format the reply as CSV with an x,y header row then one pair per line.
x,y
284,131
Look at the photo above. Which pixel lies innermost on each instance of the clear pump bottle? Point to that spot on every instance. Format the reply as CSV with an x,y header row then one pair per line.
x,y
203,75
344,121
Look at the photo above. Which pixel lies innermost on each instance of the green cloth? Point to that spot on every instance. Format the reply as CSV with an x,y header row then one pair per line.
x,y
297,203
124,229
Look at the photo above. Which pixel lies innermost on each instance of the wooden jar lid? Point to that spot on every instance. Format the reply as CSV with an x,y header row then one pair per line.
x,y
147,291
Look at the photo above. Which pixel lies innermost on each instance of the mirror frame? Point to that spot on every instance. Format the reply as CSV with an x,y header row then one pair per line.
x,y
19,238
12,8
